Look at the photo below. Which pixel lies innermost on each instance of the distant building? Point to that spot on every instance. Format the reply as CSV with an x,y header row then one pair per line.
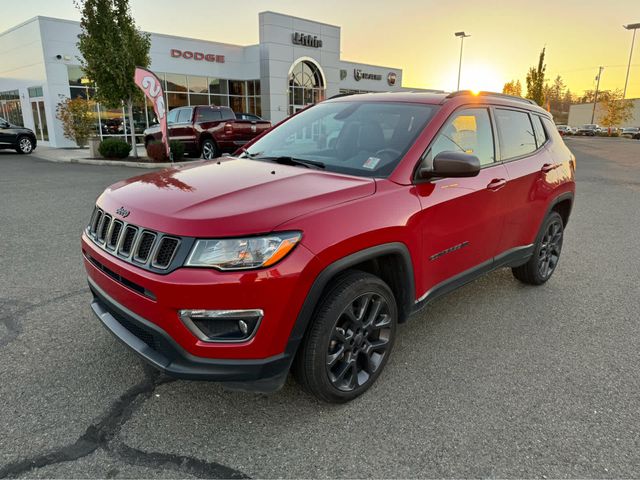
x,y
581,114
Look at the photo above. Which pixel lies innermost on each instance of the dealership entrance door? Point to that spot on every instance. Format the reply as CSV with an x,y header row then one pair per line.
x,y
39,117
306,85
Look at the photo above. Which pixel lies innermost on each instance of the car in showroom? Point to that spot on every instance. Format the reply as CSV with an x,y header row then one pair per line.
x,y
17,138
305,251
208,130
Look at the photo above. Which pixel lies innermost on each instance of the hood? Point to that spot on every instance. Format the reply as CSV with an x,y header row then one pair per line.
x,y
229,197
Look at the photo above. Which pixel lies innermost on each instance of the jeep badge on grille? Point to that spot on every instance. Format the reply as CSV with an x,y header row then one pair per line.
x,y
123,212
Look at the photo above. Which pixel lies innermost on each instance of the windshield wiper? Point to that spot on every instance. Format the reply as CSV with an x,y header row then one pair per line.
x,y
293,161
248,154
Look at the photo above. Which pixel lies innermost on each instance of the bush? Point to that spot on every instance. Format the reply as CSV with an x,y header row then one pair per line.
x,y
157,152
114,148
77,117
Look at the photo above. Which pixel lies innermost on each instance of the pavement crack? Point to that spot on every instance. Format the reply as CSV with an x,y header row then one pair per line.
x,y
103,433
183,464
14,327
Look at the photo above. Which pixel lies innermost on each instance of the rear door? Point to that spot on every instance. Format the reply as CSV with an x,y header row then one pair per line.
x,y
183,130
529,164
462,218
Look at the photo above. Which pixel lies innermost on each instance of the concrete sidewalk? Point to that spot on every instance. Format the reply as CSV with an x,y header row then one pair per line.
x,y
81,155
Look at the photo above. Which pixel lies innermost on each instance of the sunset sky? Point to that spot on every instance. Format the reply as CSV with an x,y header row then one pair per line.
x,y
417,35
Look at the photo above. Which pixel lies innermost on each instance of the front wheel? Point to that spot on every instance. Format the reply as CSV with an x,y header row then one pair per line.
x,y
25,145
546,254
350,339
209,150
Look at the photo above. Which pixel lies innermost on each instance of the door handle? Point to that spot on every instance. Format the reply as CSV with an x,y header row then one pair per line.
x,y
496,184
547,167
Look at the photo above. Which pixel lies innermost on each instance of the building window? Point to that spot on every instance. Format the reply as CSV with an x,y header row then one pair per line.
x,y
306,85
10,107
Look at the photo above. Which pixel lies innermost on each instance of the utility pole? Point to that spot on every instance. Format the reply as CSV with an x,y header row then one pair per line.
x,y
595,97
634,27
462,36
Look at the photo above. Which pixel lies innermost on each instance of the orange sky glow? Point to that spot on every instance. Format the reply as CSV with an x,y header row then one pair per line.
x,y
417,35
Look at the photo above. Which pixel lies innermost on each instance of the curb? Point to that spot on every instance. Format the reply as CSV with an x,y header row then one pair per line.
x,y
118,163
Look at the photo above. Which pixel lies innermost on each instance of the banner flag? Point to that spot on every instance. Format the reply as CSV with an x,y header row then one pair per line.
x,y
152,88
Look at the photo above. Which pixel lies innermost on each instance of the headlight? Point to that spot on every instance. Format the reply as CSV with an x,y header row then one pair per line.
x,y
242,253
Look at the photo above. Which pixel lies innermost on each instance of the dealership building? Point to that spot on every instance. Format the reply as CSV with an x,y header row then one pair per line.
x,y
296,63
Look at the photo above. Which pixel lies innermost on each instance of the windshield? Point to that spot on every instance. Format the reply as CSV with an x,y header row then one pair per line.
x,y
357,138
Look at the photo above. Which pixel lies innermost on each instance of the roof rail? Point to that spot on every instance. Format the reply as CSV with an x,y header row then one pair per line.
x,y
491,94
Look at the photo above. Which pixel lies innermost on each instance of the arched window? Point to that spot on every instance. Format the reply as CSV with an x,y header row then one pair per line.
x,y
306,85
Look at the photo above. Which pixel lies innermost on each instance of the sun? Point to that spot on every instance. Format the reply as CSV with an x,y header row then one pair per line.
x,y
480,77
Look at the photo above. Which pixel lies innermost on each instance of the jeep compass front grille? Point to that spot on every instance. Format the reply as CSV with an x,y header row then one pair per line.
x,y
143,247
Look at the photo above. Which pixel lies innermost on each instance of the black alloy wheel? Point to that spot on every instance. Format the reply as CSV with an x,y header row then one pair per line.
x,y
546,253
550,247
359,342
350,338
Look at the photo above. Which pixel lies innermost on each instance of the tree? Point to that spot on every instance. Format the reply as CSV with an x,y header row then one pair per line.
x,y
615,109
112,47
77,117
514,87
535,81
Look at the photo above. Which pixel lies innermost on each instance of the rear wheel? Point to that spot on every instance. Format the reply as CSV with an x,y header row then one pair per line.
x,y
25,145
209,150
546,254
350,339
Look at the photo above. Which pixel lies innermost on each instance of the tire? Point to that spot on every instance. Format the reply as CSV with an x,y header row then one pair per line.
x,y
349,340
546,253
25,145
209,149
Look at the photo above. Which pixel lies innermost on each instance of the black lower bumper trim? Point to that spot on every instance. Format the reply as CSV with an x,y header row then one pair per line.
x,y
155,346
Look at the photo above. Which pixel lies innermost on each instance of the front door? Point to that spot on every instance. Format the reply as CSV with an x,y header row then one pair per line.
x,y
462,218
40,119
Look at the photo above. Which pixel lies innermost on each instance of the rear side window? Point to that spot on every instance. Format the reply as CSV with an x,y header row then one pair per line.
x,y
227,114
517,137
538,129
184,115
466,131
552,131
208,115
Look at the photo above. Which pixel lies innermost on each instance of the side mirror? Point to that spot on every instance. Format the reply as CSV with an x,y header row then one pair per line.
x,y
452,165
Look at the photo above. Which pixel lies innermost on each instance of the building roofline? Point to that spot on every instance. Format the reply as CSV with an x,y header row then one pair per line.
x,y
301,18
371,65
20,25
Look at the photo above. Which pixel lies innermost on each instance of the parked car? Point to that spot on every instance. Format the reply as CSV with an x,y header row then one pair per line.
x,y
564,129
209,131
15,137
305,253
589,130
630,132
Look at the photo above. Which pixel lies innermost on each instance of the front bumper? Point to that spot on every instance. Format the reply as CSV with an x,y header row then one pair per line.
x,y
156,347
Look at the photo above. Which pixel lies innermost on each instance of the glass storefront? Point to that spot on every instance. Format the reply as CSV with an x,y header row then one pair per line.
x,y
10,107
180,90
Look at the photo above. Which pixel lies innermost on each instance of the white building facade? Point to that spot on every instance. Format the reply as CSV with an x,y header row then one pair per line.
x,y
582,114
296,63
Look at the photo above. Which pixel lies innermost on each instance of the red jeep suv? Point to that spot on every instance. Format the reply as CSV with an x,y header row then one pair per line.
x,y
306,249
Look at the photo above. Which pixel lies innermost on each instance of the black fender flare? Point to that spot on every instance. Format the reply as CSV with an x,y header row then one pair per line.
x,y
560,198
305,314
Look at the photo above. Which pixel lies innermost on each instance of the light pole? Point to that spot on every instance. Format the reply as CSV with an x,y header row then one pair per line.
x,y
634,27
595,97
462,36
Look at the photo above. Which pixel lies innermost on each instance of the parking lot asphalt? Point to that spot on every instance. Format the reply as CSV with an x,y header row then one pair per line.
x,y
497,379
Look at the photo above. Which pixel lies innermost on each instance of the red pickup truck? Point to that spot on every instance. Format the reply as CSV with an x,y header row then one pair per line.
x,y
209,131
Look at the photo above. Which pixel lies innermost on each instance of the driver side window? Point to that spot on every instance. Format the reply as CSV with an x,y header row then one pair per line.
x,y
466,131
173,116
